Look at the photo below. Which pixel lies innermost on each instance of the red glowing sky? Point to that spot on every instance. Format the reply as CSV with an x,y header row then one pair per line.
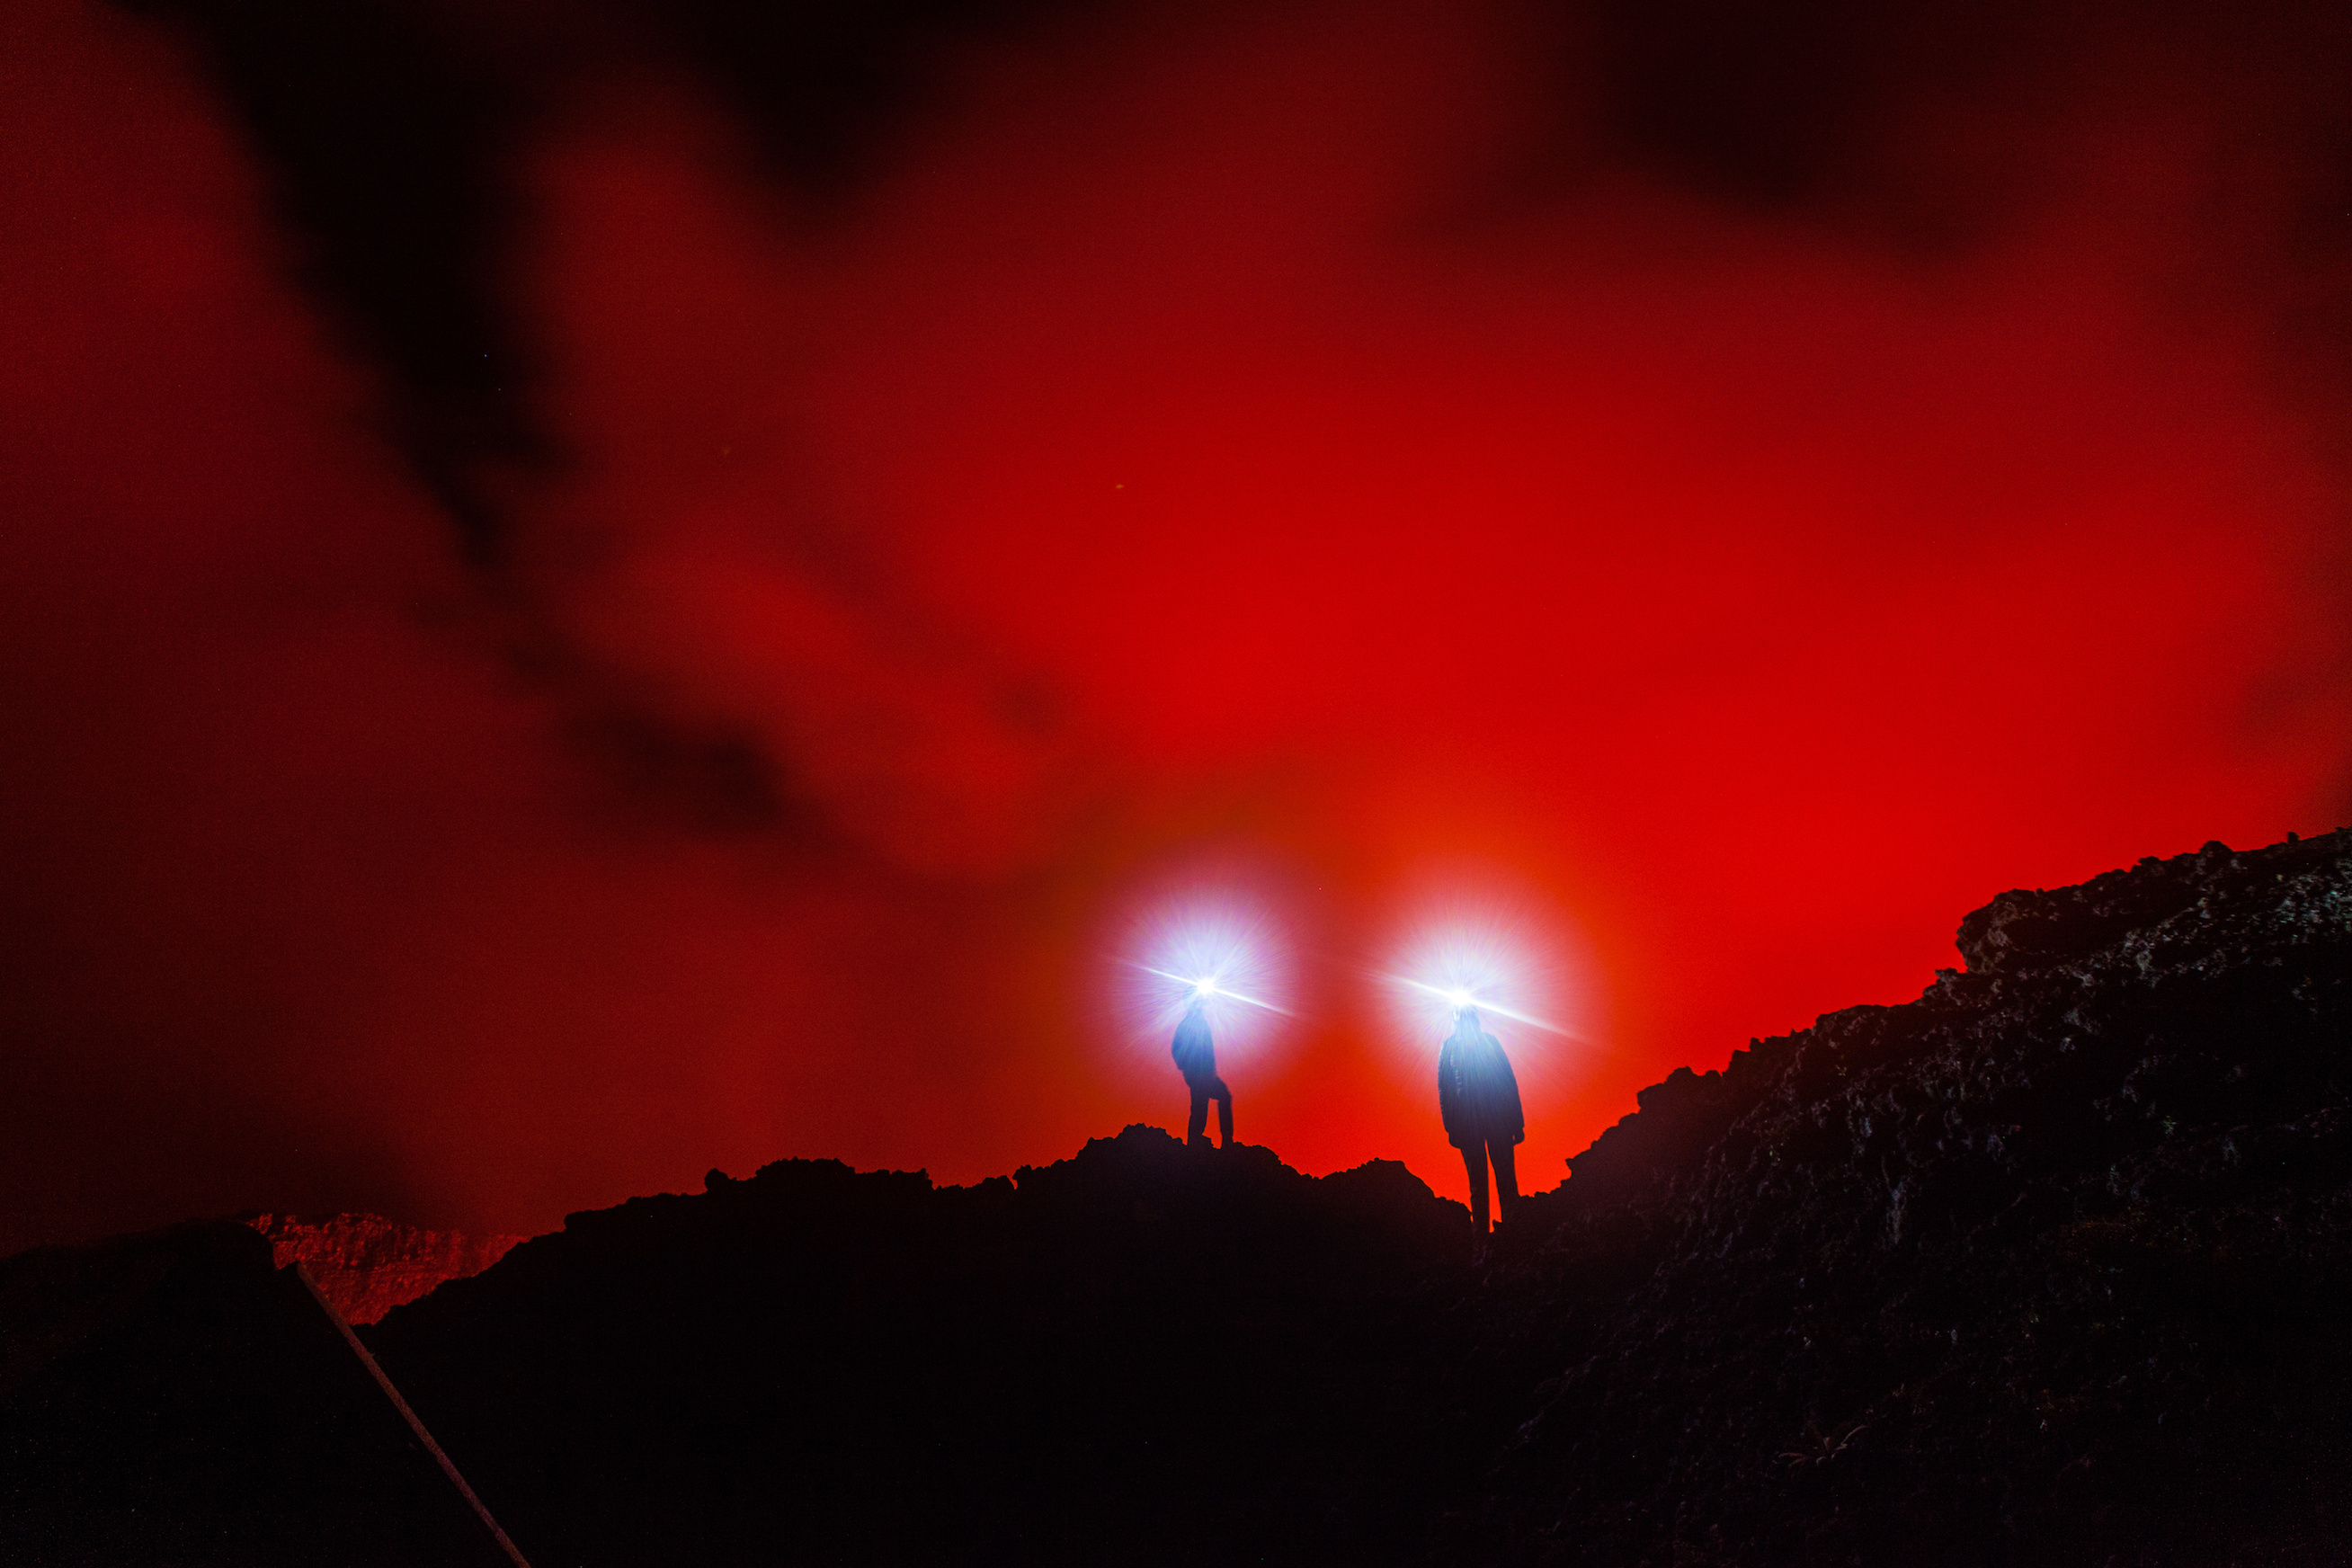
x,y
1306,452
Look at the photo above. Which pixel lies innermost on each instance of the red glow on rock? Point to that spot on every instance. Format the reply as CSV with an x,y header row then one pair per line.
x,y
366,1265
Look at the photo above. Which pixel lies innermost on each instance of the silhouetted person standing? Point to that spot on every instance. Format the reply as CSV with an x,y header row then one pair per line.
x,y
1196,1058
1478,1098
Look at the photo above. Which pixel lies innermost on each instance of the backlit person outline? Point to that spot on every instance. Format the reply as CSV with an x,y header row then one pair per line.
x,y
1478,1100
1196,1058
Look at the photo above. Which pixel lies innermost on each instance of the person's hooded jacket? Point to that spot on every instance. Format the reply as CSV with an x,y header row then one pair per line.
x,y
1477,1093
1196,1056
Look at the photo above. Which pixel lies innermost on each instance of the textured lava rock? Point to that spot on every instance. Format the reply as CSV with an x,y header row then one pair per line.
x,y
171,1398
2046,1267
367,1265
2043,1267
1145,1353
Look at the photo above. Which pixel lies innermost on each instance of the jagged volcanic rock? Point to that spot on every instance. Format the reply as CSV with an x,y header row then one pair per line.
x,y
367,1265
1144,1353
172,1399
2046,1267
2049,1266
2043,1267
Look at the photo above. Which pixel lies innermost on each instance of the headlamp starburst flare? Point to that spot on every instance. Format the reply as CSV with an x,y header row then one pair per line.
x,y
1212,987
1461,996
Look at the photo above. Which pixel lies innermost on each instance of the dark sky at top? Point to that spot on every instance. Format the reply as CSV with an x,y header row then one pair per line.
x,y
593,591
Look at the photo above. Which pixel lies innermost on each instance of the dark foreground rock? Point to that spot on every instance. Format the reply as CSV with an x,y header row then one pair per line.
x,y
1147,1353
2048,1266
173,1398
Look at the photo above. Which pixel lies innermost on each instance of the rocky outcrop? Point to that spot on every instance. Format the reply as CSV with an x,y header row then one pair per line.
x,y
171,1398
2045,1266
1145,1353
367,1265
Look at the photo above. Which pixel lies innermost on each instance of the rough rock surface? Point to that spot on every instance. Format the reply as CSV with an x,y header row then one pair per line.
x,y
2046,1267
2049,1266
172,1399
367,1265
1147,1353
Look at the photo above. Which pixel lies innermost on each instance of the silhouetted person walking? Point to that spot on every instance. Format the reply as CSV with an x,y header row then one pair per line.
x,y
1196,1058
1478,1098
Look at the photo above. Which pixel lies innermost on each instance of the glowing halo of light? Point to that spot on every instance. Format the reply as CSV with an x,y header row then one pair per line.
x,y
1212,948
1211,987
1459,996
1508,956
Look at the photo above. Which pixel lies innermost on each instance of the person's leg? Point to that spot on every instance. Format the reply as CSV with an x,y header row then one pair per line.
x,y
1225,1099
1473,1160
1195,1127
1506,1180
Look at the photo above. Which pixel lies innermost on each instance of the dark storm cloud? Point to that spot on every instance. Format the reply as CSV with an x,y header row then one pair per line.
x,y
386,143
391,130
826,86
1935,122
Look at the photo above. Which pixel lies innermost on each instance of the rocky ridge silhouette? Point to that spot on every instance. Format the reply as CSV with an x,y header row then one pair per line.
x,y
1148,1351
367,1265
171,1398
2043,1267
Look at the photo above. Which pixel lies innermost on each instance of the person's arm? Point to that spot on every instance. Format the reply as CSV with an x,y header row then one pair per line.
x,y
1510,1081
1449,1097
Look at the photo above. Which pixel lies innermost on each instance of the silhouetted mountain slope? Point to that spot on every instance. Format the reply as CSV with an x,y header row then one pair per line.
x,y
171,1398
2047,1266
1146,1353
2043,1267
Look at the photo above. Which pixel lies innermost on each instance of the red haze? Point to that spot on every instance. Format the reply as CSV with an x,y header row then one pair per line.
x,y
1215,448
